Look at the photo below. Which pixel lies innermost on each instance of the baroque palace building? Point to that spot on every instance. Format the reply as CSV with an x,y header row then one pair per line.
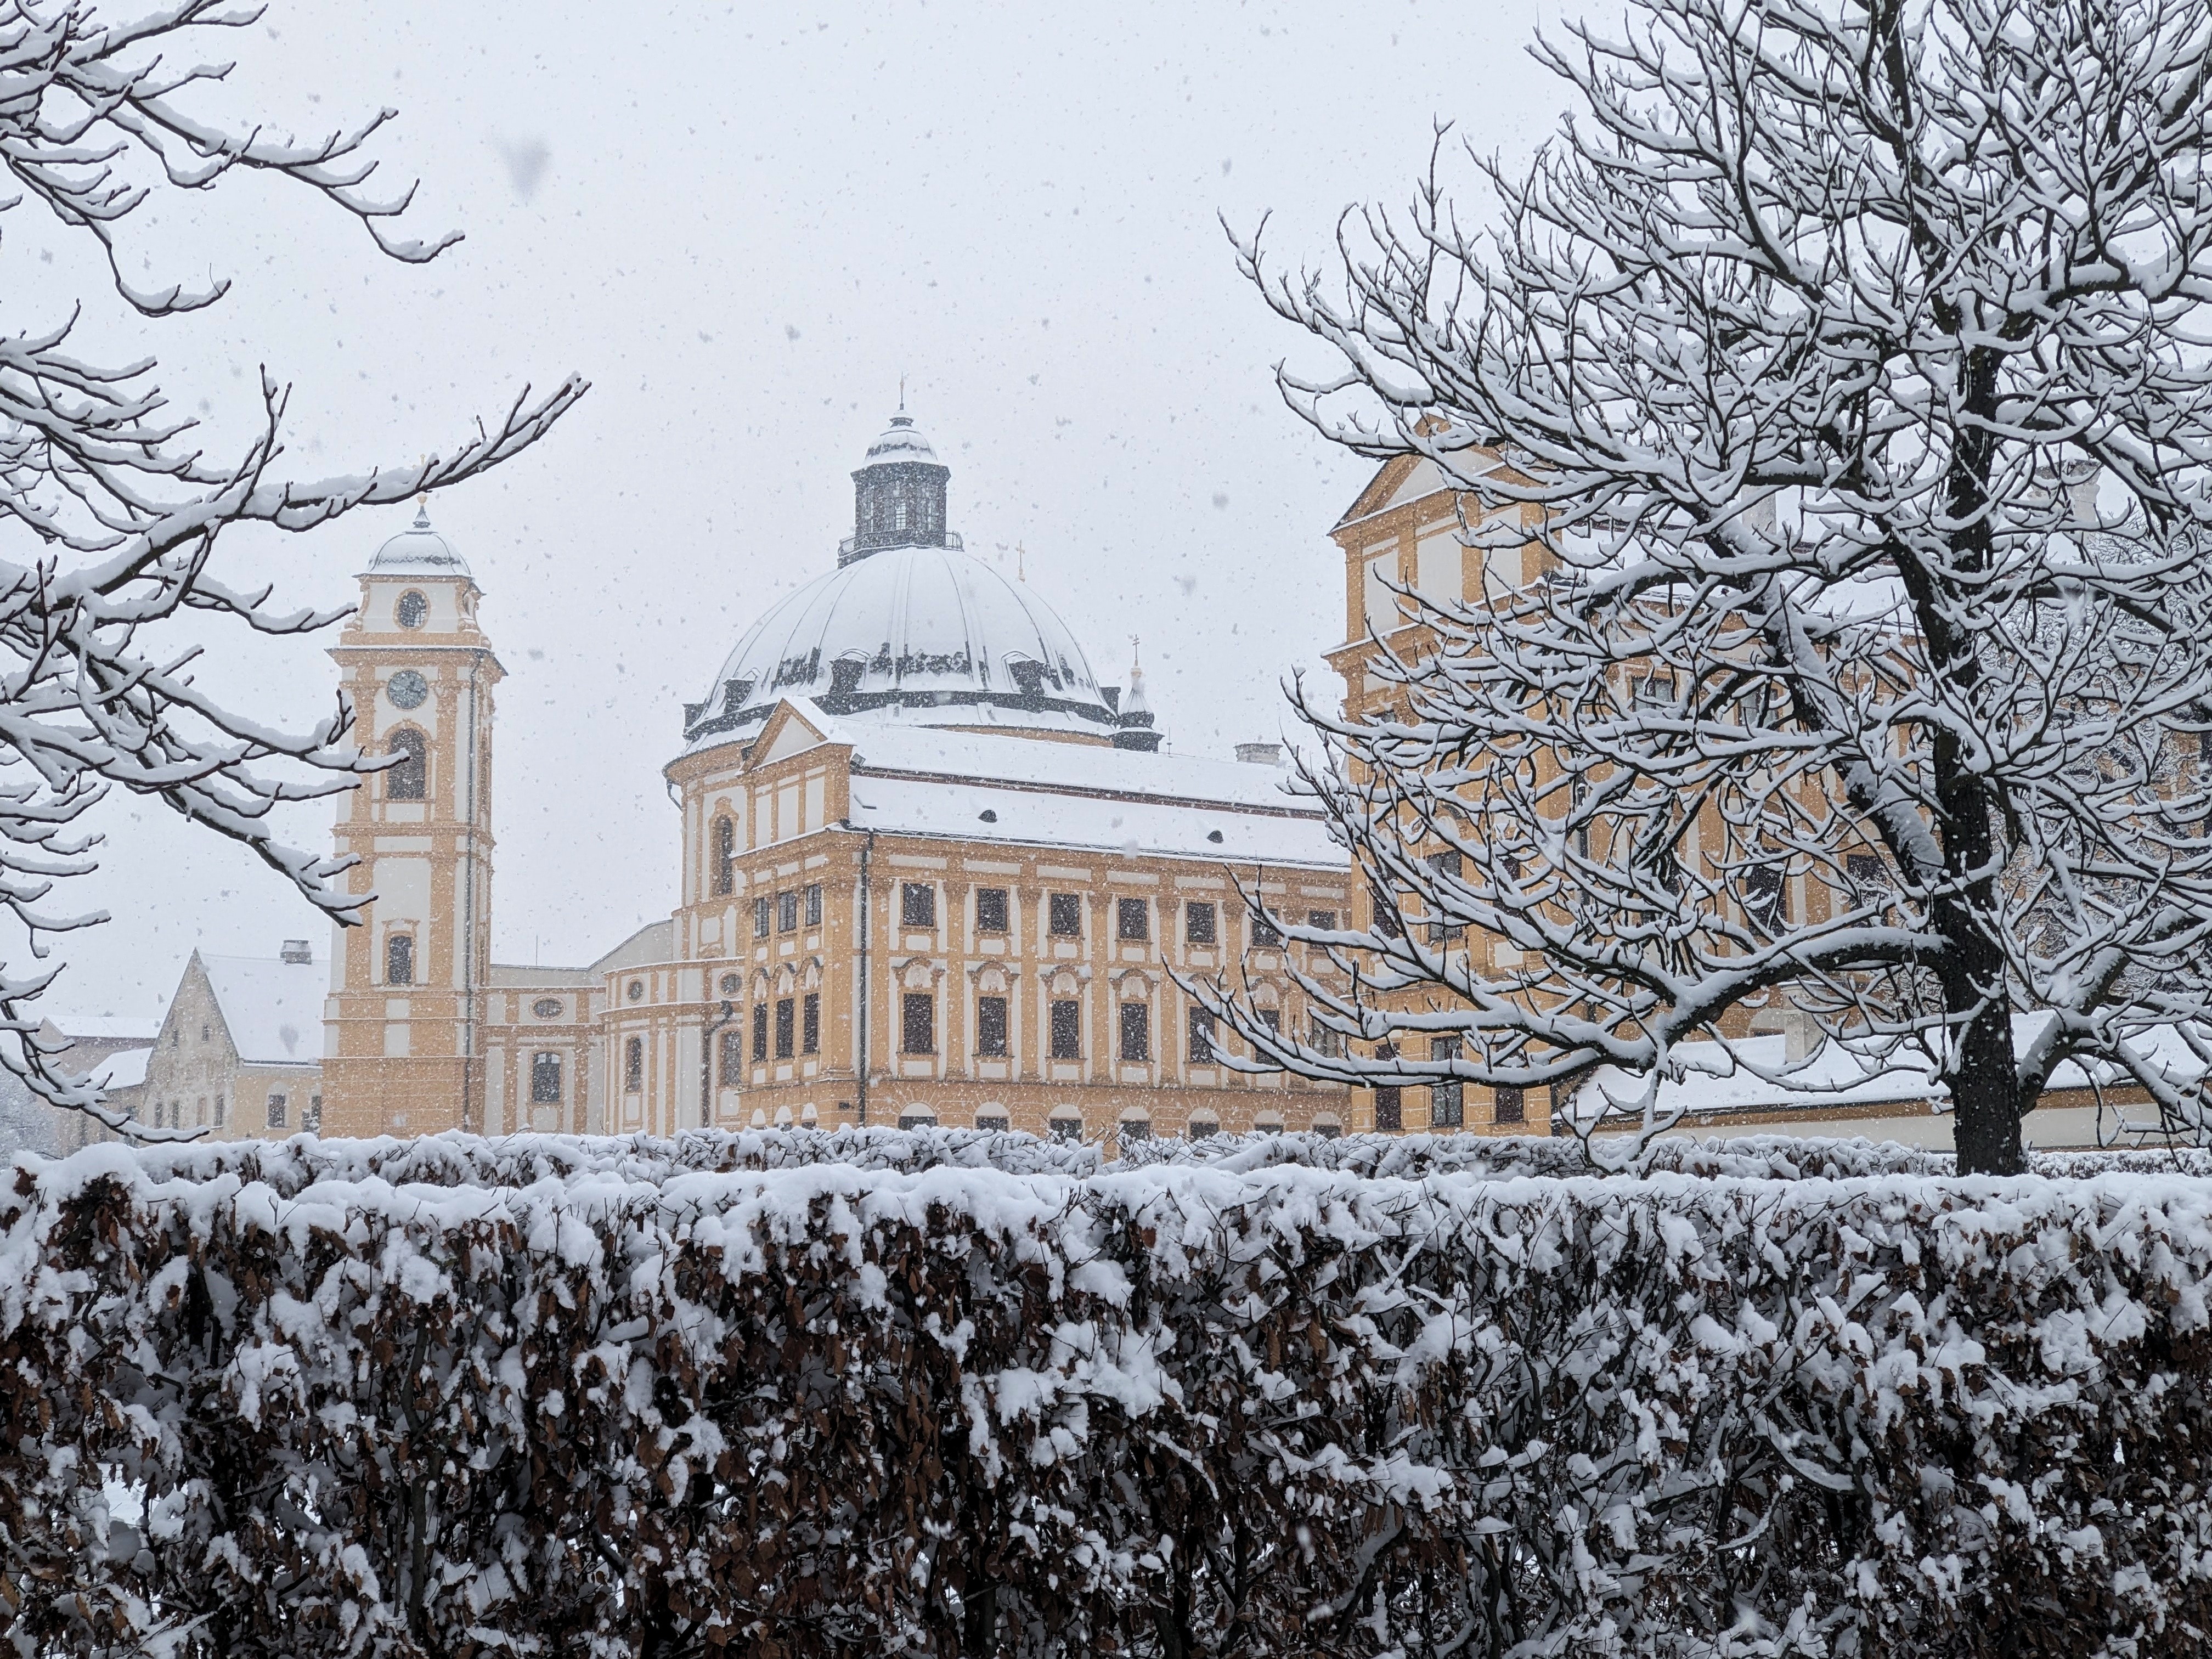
x,y
932,871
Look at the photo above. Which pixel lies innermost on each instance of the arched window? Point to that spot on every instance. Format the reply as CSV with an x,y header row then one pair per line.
x,y
409,778
634,1064
725,855
399,959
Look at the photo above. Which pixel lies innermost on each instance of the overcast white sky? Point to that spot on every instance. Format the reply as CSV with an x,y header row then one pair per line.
x,y
744,223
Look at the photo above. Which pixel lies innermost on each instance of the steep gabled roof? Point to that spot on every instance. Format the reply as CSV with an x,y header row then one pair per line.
x,y
272,1009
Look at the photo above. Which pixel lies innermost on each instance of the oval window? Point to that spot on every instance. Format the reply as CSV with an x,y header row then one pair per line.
x,y
636,989
413,610
408,690
729,985
546,1007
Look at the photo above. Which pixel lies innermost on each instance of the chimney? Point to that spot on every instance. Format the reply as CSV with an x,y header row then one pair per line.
x,y
296,951
1260,753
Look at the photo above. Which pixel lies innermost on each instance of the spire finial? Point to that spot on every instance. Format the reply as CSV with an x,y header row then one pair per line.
x,y
902,393
1021,563
1136,667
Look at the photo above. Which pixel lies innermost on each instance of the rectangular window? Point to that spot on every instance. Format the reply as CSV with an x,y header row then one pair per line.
x,y
1389,1114
1136,1030
1764,898
1133,920
1272,1018
917,904
1200,1048
725,854
1198,923
634,1064
760,1030
545,1079
810,1024
918,1021
276,1111
1266,936
1446,863
785,1026
991,1025
1447,1108
762,924
814,905
1511,1107
1324,1041
990,910
1323,919
1067,915
218,1111
733,1055
1867,871
312,1119
787,913
398,961
1067,1029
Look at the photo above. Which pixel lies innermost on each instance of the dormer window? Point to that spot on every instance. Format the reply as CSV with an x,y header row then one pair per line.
x,y
413,609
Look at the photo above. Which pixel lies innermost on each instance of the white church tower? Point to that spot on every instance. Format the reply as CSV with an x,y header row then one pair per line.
x,y
403,1028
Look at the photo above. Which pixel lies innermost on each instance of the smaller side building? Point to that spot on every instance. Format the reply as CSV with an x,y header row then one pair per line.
x,y
112,1050
240,1053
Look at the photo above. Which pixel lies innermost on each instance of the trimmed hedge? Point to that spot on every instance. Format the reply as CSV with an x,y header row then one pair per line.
x,y
787,1395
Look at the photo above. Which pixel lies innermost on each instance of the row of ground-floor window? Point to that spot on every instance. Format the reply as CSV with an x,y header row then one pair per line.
x,y
282,1109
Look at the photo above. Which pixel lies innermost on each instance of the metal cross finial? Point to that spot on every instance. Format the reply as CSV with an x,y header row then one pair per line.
x,y
1021,563
901,394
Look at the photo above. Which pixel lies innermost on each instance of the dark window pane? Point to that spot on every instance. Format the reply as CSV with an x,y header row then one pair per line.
x,y
733,1054
990,910
1068,1030
399,959
784,1027
1324,1041
1388,1112
917,904
1447,1107
1266,936
810,1024
726,853
277,1111
786,912
1200,1049
814,906
1136,1032
409,778
1867,871
1765,898
413,609
760,1030
990,1025
1511,1107
634,1064
1272,1018
545,1080
1067,915
919,1023
1133,918
1324,919
760,918
1198,923
1136,1129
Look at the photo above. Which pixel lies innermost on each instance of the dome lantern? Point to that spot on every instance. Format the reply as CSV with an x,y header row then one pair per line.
x,y
898,494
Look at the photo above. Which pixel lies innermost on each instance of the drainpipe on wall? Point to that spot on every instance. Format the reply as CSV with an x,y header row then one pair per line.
x,y
469,917
867,848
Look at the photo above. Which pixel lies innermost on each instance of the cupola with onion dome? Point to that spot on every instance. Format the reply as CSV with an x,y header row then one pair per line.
x,y
911,629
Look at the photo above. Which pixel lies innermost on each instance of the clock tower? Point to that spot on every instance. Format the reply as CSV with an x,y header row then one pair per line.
x,y
403,1027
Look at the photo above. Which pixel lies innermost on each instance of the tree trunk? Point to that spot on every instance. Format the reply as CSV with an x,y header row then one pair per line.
x,y
1985,1098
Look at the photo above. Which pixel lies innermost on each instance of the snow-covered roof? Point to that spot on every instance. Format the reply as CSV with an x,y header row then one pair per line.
x,y
1091,767
978,786
272,1009
125,1071
927,635
655,942
418,550
512,974
900,442
107,1028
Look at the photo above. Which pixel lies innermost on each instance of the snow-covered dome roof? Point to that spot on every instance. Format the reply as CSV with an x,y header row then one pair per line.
x,y
418,550
918,635
900,442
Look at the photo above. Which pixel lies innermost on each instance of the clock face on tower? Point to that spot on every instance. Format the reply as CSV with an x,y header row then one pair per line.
x,y
407,689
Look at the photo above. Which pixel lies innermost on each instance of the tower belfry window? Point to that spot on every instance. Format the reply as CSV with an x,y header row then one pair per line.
x,y
409,778
413,609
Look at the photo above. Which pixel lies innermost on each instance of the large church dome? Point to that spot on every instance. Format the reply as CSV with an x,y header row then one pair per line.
x,y
911,629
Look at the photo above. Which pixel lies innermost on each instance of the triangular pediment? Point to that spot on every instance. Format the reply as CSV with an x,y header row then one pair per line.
x,y
795,726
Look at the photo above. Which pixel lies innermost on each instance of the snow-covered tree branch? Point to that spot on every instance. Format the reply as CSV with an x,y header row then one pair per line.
x,y
1832,403
112,507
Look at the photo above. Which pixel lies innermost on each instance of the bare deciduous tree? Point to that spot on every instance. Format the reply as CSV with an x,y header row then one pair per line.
x,y
1798,363
113,510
